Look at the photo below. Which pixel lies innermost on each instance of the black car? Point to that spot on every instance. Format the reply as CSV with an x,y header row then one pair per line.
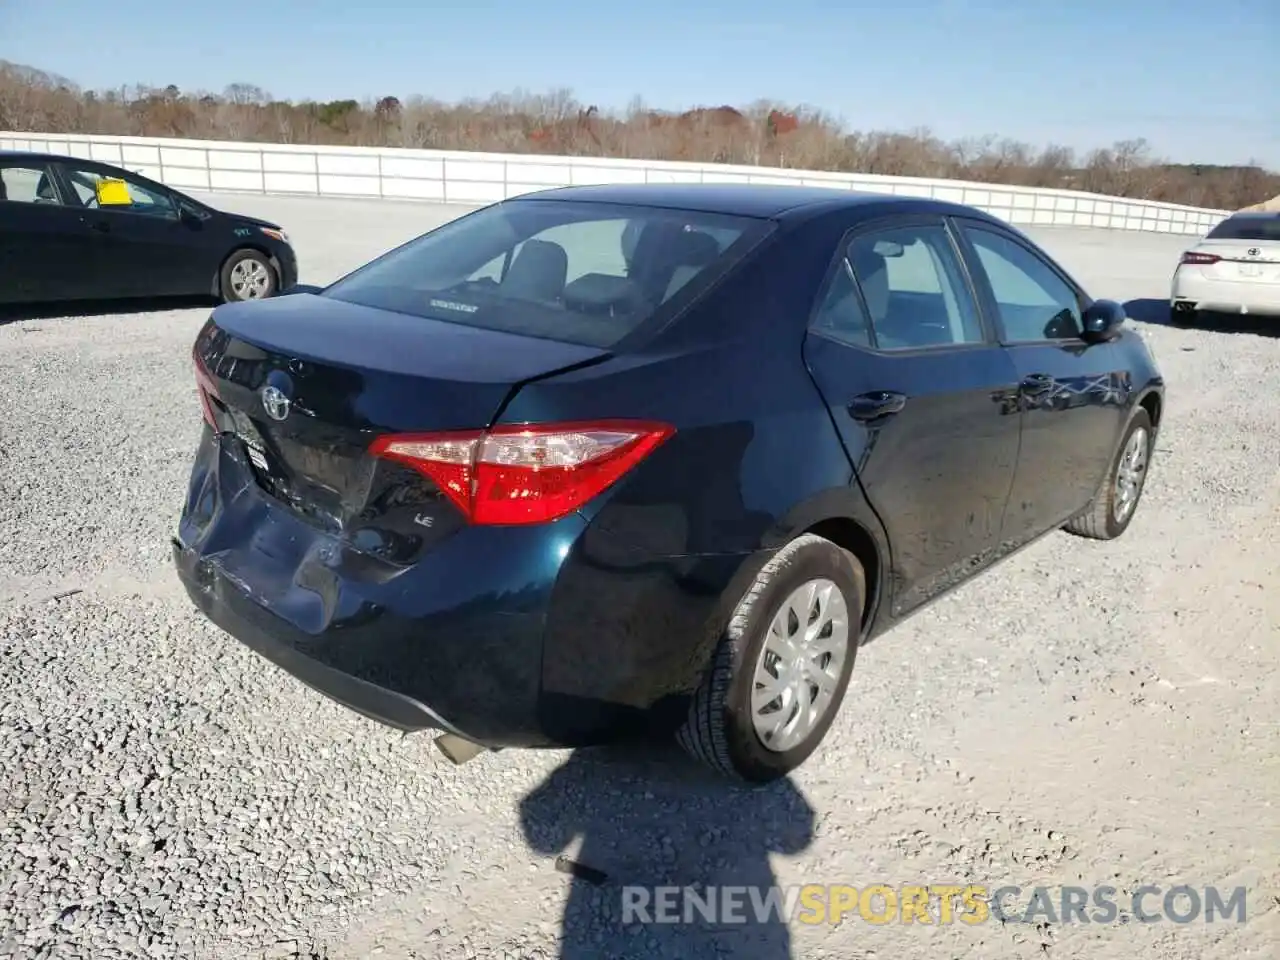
x,y
605,460
74,229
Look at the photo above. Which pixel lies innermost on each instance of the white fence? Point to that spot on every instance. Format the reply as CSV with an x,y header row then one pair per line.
x,y
479,178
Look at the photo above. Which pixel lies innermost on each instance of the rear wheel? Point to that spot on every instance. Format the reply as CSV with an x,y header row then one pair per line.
x,y
781,669
1183,314
1116,501
247,275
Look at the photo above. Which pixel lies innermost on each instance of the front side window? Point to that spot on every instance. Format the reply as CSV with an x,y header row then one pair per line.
x,y
1034,302
127,194
26,183
586,273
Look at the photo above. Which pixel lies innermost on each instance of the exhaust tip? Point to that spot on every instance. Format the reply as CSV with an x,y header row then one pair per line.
x,y
457,749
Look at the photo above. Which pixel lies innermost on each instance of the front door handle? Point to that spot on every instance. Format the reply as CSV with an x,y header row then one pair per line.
x,y
880,403
101,226
1036,384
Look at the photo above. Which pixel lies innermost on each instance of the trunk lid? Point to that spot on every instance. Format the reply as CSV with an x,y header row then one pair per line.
x,y
1242,260
303,384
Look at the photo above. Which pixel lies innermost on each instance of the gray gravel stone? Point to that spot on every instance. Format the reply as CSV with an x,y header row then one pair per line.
x,y
168,794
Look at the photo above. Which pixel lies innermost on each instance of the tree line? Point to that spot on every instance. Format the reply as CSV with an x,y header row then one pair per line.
x,y
764,134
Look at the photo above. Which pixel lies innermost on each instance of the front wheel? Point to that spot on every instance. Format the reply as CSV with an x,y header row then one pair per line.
x,y
781,669
247,275
1114,505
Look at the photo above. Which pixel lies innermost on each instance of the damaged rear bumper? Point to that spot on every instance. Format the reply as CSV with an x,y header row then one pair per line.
x,y
226,605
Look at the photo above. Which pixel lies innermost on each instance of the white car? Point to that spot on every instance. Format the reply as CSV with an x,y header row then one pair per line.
x,y
1234,269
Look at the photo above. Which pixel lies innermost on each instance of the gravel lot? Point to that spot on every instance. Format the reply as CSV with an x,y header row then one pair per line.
x,y
1088,713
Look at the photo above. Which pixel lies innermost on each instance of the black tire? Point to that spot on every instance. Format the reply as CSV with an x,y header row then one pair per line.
x,y
1099,521
718,730
253,260
1183,315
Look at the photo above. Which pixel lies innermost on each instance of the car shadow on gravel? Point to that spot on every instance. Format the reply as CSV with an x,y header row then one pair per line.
x,y
647,818
1156,312
73,309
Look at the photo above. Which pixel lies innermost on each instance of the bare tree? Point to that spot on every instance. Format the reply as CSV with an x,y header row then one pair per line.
x,y
766,132
245,94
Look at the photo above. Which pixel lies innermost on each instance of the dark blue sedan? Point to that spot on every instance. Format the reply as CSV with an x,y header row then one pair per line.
x,y
609,460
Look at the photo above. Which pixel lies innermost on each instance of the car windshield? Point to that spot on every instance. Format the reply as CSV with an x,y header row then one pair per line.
x,y
583,273
1246,228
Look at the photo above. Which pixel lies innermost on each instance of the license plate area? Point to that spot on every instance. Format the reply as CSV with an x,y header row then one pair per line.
x,y
257,455
279,466
252,442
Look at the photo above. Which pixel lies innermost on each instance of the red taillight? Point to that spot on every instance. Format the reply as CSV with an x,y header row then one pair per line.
x,y
205,387
519,474
1191,256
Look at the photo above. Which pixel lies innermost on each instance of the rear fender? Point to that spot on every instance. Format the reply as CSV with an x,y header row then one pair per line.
x,y
827,512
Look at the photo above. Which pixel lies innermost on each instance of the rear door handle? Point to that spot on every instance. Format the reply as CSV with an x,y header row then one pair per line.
x,y
99,225
1036,384
880,403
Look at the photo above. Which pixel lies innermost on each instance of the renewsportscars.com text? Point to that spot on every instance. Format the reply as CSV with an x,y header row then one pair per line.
x,y
931,904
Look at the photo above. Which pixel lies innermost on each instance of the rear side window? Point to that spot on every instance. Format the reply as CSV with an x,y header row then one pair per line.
x,y
1246,228
584,273
26,184
840,314
914,288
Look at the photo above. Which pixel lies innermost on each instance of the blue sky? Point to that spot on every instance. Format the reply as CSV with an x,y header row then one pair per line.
x,y
1199,79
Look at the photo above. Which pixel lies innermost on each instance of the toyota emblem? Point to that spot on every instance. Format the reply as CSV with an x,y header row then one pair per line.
x,y
1255,251
275,402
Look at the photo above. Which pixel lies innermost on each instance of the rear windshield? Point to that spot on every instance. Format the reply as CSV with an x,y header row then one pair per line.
x,y
583,273
1246,228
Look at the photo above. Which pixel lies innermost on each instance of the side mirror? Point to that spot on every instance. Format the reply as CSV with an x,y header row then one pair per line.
x,y
1102,321
187,215
301,288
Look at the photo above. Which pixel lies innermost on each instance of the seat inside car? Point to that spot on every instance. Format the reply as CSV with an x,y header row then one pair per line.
x,y
538,272
907,318
694,252
667,256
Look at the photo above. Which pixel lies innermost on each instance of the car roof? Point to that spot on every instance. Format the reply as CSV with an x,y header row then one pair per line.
x,y
758,200
1255,215
38,155
763,201
42,157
